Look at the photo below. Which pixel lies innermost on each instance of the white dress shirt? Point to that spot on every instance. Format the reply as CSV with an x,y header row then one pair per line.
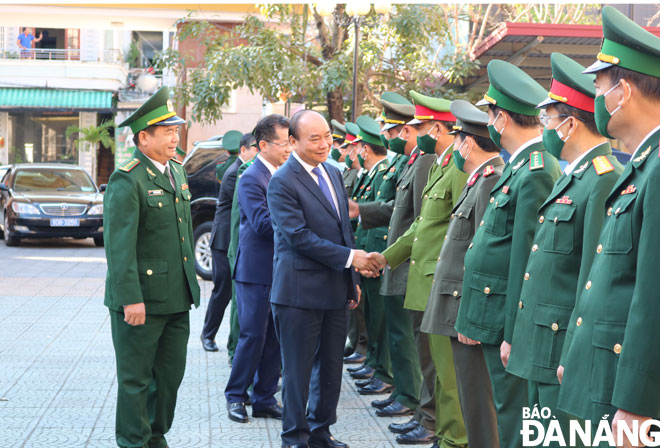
x,y
269,165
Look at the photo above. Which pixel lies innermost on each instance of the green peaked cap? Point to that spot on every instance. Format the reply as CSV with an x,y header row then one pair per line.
x,y
369,130
512,89
351,129
338,130
569,85
157,110
392,97
398,111
627,45
430,108
231,141
469,119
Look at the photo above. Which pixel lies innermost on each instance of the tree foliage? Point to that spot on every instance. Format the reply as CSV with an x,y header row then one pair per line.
x,y
94,135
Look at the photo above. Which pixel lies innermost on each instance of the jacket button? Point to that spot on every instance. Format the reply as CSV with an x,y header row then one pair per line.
x,y
617,349
526,276
535,248
426,196
555,219
470,246
588,285
617,210
455,293
487,290
555,327
439,258
420,218
445,237
541,219
492,200
389,227
182,239
452,216
415,240
412,262
176,200
520,305
579,321
481,223
609,211
160,204
385,237
460,213
185,258
378,192
599,249
149,272
180,220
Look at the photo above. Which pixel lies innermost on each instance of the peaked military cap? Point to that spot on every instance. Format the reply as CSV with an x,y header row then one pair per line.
x,y
352,134
469,119
338,130
369,130
397,113
512,89
430,108
157,110
381,117
626,45
569,85
231,141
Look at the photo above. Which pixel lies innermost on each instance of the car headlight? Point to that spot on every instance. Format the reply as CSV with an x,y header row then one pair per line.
x,y
24,208
96,209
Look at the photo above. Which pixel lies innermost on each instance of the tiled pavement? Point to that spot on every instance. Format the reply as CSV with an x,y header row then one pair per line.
x,y
57,372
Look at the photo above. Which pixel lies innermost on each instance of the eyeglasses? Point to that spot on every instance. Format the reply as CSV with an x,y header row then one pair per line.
x,y
545,118
281,145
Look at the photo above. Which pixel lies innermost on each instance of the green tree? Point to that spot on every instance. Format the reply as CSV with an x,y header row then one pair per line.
x,y
94,135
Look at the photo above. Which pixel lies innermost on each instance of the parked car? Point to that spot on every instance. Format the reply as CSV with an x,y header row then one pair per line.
x,y
200,166
50,200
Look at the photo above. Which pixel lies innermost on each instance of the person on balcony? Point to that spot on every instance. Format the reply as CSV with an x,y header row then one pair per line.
x,y
24,42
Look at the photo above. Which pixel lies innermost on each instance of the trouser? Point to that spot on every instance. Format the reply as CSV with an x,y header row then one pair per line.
x,y
378,351
358,337
449,426
312,347
257,356
234,327
406,370
425,412
543,395
475,395
220,295
509,397
151,361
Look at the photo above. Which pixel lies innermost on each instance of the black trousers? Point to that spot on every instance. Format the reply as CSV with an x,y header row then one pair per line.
x,y
220,295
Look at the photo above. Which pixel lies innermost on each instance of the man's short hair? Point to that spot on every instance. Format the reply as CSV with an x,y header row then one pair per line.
x,y
647,84
266,128
295,122
484,143
378,150
247,140
585,117
136,137
524,121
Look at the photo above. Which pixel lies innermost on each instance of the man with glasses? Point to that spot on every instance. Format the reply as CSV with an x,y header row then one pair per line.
x,y
257,356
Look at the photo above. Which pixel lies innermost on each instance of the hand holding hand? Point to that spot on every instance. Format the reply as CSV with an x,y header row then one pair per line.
x,y
467,341
505,351
135,314
353,209
362,262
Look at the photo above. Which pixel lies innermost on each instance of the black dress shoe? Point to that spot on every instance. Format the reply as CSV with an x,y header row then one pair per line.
x,y
403,428
377,387
237,413
362,383
418,436
355,358
297,445
328,442
275,411
380,404
363,374
395,409
355,368
209,344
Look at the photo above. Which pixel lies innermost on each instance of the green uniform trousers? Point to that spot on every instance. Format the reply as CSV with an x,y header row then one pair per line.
x,y
151,360
509,397
234,328
545,396
403,352
378,350
425,412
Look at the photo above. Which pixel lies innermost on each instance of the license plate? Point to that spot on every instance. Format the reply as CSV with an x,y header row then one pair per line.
x,y
64,222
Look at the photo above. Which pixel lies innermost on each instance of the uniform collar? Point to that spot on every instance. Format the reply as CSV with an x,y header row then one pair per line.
x,y
643,143
373,168
159,166
484,165
571,166
523,147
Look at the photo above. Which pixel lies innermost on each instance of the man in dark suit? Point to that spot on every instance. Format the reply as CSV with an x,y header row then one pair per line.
x,y
313,281
220,236
257,357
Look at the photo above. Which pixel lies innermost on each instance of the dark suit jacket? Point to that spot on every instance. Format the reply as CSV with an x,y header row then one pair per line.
x,y
221,233
254,259
312,242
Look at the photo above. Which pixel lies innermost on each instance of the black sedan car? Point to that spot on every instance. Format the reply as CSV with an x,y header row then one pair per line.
x,y
50,200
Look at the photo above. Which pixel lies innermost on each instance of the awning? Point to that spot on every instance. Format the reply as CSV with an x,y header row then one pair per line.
x,y
55,99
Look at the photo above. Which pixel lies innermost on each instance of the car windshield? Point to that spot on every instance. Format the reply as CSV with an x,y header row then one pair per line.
x,y
53,180
202,157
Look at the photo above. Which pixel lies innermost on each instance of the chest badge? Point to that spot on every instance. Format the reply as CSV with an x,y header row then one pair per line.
x,y
155,192
630,190
564,200
505,189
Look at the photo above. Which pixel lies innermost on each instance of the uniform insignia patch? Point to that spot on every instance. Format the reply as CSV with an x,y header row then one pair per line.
x,y
175,160
536,161
393,169
643,155
564,200
505,189
382,167
630,190
446,161
519,164
602,165
184,187
155,192
412,159
490,169
581,168
369,188
128,166
473,179
361,187
151,173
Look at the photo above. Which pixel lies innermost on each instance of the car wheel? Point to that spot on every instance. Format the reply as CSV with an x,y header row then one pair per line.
x,y
10,238
202,249
98,241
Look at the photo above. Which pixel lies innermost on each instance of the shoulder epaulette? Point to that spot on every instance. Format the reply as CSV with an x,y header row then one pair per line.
x,y
536,161
412,158
490,169
128,166
602,165
174,159
382,167
445,162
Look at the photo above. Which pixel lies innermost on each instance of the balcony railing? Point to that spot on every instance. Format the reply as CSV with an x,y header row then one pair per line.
x,y
57,54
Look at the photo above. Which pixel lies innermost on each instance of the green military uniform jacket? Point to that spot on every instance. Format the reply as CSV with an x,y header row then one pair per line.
x,y
612,361
220,168
235,218
400,214
444,299
422,242
563,249
147,230
350,180
495,262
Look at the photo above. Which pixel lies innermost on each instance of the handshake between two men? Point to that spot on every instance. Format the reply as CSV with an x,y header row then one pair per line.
x,y
369,264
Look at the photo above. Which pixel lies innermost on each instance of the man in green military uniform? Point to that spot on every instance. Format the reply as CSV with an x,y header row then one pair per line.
x,y
476,154
232,150
565,239
338,154
610,366
420,245
151,281
398,215
495,263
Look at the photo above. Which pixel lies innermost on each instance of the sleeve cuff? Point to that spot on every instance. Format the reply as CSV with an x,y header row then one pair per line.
x,y
349,262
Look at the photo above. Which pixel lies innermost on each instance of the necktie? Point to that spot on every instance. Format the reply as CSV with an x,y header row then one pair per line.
x,y
323,185
169,176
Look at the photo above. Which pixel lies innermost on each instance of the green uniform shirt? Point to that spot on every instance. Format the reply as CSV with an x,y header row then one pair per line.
x,y
235,218
563,249
147,230
220,168
495,262
611,361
